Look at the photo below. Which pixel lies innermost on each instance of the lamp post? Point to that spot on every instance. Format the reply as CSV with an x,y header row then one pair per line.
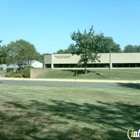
x,y
110,63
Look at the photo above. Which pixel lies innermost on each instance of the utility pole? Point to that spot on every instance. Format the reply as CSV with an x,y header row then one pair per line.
x,y
110,62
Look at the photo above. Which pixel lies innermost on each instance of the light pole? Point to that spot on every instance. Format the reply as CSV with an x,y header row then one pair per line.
x,y
110,63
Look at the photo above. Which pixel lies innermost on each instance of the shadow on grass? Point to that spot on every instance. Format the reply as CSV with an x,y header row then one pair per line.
x,y
130,85
80,72
60,120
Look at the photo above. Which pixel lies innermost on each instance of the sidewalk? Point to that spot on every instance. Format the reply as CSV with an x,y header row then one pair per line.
x,y
74,80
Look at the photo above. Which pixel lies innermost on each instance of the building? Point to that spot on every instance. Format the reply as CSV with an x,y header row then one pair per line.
x,y
36,64
107,60
3,66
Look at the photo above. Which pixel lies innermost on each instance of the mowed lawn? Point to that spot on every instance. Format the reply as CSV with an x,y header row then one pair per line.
x,y
2,72
67,113
115,74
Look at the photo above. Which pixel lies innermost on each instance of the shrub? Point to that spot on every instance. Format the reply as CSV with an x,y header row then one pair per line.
x,y
12,74
7,75
17,75
26,72
1,68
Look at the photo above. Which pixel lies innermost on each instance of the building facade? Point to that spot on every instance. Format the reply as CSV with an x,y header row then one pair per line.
x,y
36,64
107,61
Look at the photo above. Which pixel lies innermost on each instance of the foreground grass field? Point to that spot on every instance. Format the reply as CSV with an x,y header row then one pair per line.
x,y
2,72
67,113
93,74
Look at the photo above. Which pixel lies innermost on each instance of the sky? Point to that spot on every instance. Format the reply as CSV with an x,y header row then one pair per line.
x,y
48,24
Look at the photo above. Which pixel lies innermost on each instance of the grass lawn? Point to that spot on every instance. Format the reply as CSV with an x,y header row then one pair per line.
x,y
2,72
93,74
67,113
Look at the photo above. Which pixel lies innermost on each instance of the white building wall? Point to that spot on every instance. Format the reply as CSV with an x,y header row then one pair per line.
x,y
125,57
115,58
36,64
105,58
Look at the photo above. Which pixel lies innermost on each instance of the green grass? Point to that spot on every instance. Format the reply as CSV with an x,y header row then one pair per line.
x,y
93,74
2,72
67,113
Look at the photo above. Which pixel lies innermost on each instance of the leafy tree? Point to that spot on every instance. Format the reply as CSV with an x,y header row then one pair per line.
x,y
61,51
70,49
132,48
137,48
40,58
129,48
3,54
87,46
109,45
0,50
21,53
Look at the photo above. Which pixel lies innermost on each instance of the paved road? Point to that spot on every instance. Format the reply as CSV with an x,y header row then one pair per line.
x,y
70,83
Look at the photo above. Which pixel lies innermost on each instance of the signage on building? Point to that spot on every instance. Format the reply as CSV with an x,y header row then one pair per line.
x,y
62,56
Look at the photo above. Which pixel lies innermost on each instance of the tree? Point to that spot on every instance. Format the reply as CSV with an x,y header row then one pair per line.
x,y
40,58
109,45
87,46
21,53
61,51
137,48
129,48
3,54
72,49
0,51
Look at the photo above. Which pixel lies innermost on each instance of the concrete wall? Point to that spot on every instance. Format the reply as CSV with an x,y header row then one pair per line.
x,y
112,59
47,59
71,59
125,57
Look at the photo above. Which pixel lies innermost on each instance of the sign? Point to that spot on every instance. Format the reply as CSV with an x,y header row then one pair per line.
x,y
132,134
62,56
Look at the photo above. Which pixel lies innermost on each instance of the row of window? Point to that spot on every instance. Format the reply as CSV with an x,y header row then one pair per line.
x,y
94,65
75,65
127,65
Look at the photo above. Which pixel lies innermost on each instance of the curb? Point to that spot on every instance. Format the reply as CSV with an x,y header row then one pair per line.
x,y
75,80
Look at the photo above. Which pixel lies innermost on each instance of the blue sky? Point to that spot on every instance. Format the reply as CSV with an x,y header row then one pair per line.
x,y
48,24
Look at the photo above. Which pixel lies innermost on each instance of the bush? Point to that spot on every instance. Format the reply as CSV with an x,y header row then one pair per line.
x,y
1,68
26,72
12,74
7,75
17,75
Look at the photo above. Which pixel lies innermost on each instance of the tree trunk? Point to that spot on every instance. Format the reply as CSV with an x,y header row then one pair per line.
x,y
85,68
19,69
